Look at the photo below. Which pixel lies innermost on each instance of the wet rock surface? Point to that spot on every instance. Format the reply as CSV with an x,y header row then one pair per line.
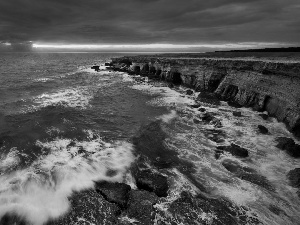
x,y
199,209
262,129
247,174
289,145
234,150
236,113
140,206
153,182
89,207
149,143
114,192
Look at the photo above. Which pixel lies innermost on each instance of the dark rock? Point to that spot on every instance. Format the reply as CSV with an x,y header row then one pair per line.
x,y
289,145
294,177
262,129
187,208
284,143
140,206
95,68
202,109
10,219
247,174
91,207
150,146
195,106
207,117
114,192
257,179
72,144
107,64
189,92
237,114
264,116
234,104
274,209
170,85
153,182
196,121
217,123
81,150
210,98
235,150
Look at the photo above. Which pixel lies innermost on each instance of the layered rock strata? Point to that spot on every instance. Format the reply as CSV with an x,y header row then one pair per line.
x,y
264,85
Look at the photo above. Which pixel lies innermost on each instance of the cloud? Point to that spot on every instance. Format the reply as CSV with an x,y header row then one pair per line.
x,y
151,21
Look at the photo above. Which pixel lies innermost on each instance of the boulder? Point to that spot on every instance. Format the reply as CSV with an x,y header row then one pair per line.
x,y
237,114
284,143
152,182
264,116
96,68
195,106
140,206
202,110
247,174
207,117
210,98
234,150
262,129
114,192
289,145
196,121
189,92
294,177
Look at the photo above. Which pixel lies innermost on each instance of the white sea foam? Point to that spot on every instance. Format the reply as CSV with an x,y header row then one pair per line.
x,y
73,97
9,160
168,97
167,118
40,192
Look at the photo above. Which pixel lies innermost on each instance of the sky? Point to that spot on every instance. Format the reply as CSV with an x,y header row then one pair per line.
x,y
148,24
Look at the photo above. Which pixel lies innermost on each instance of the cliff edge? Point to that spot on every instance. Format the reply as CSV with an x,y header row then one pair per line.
x,y
272,86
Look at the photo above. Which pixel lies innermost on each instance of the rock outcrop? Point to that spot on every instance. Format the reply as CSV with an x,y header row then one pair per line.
x,y
264,85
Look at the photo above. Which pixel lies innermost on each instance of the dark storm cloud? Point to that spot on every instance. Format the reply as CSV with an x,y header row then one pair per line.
x,y
149,21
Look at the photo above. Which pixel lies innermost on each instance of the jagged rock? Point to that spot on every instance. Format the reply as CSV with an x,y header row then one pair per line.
x,y
96,68
153,182
256,179
196,121
140,206
189,92
207,117
170,85
217,123
247,174
215,135
264,116
284,143
149,144
195,106
218,211
237,114
114,192
234,150
90,207
210,98
262,129
289,145
294,177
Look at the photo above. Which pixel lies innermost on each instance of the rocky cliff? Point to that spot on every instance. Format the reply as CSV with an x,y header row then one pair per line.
x,y
273,86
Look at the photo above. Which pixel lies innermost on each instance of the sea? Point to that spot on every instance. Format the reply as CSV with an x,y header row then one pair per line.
x,y
63,126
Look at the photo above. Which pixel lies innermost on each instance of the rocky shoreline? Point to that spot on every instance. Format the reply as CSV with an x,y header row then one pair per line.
x,y
241,83
264,85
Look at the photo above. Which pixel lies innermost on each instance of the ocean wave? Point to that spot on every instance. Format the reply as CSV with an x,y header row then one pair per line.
x,y
41,192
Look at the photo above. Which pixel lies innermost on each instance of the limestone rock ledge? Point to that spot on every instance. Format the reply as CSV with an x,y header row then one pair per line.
x,y
273,86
